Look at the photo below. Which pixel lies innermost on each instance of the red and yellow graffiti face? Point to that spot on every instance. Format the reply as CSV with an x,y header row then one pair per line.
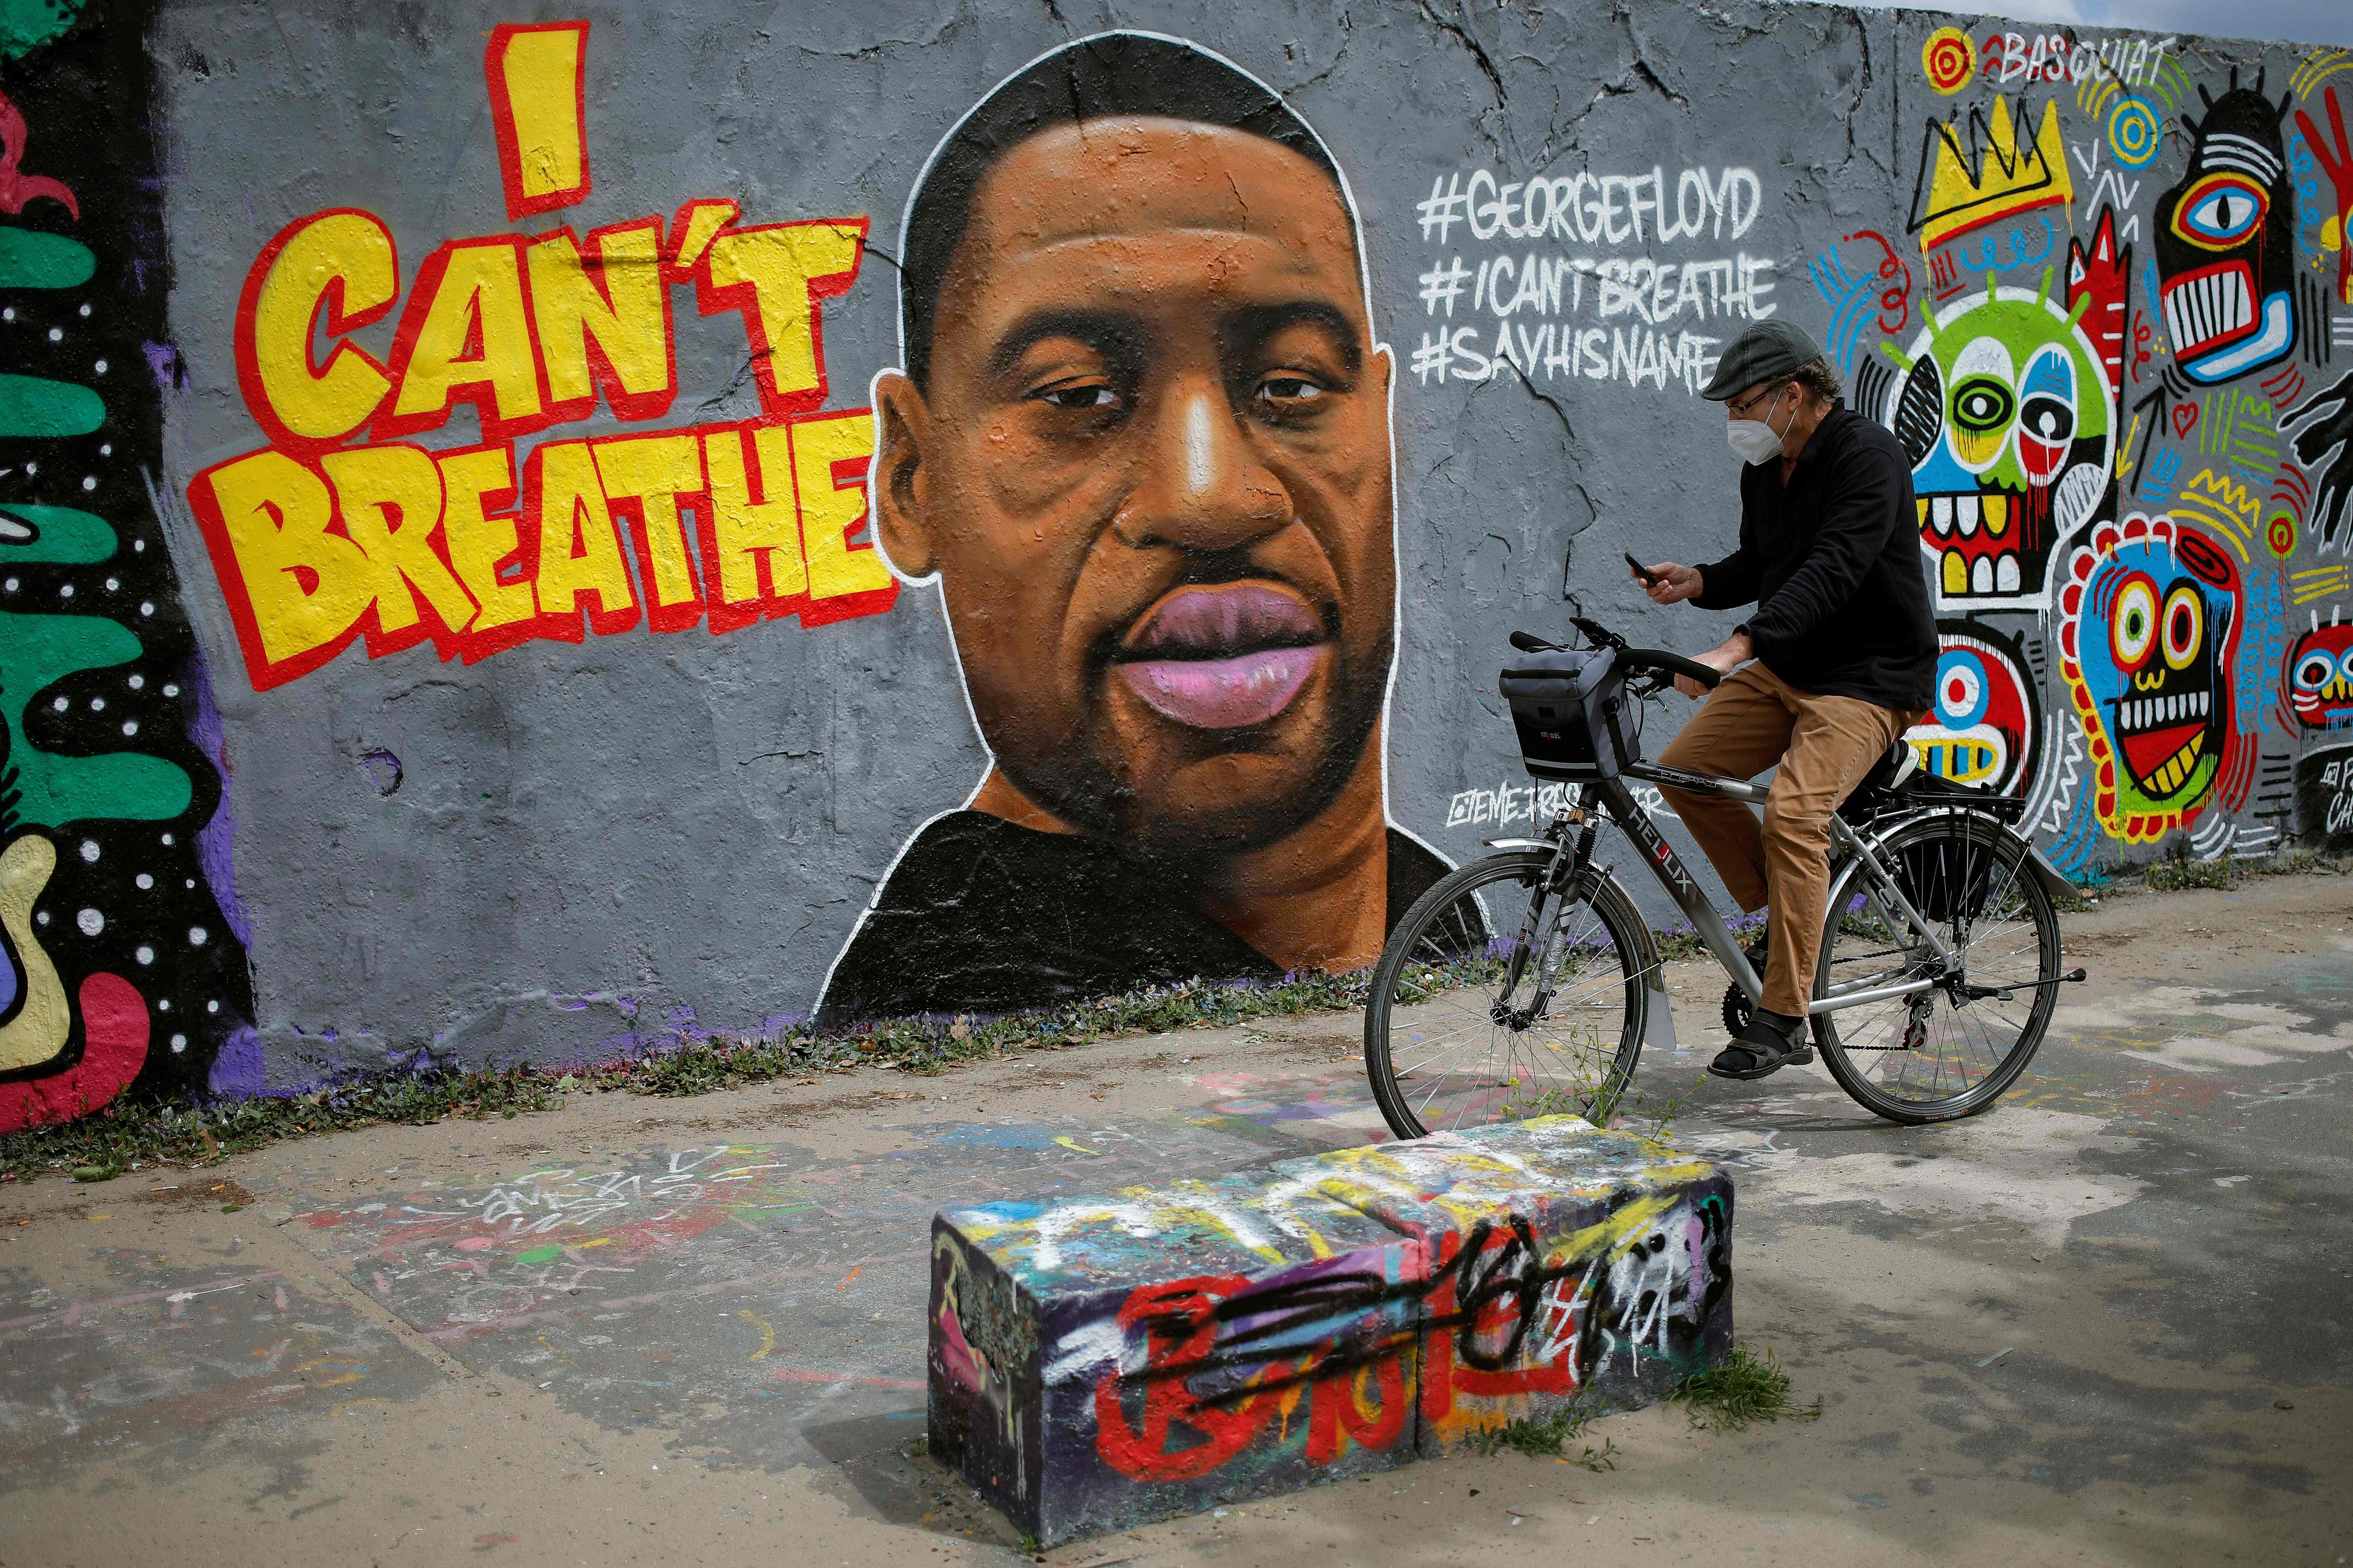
x,y
2320,677
1983,727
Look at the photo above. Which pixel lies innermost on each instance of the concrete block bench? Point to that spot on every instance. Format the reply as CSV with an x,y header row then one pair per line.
x,y
1100,1362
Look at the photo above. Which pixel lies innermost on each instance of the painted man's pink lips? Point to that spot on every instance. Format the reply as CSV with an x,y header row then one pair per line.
x,y
1222,658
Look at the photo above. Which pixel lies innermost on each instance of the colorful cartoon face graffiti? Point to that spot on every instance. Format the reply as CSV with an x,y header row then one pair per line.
x,y
2226,240
2148,634
2005,412
2320,677
1984,726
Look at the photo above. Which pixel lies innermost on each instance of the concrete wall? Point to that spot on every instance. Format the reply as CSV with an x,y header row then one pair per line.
x,y
629,742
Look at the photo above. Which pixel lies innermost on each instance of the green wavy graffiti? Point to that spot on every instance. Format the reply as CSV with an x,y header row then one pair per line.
x,y
35,650
27,25
33,409
31,259
61,535
38,649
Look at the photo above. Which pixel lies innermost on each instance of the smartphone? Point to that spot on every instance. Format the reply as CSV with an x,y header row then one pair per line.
x,y
1650,578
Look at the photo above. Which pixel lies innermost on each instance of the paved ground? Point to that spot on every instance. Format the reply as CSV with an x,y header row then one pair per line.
x,y
2107,1322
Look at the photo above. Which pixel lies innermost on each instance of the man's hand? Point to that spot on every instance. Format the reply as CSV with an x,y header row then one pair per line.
x,y
1672,584
1723,659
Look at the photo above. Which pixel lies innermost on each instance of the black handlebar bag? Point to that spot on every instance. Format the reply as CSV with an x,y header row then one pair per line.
x,y
1568,707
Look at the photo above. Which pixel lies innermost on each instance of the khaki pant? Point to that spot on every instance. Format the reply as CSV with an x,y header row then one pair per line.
x,y
1825,744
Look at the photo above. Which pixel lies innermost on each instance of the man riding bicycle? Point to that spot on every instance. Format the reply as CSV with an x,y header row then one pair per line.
x,y
1838,660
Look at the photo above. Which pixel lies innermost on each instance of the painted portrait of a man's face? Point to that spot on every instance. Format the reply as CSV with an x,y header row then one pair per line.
x,y
1154,480
1141,443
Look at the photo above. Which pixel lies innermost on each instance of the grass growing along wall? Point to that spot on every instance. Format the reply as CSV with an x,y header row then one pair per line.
x,y
188,1131
193,1131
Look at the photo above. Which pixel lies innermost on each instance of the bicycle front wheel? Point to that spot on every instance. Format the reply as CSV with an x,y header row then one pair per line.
x,y
1544,1017
1946,1052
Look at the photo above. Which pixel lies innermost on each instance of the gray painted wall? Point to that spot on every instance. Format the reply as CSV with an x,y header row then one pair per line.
x,y
600,845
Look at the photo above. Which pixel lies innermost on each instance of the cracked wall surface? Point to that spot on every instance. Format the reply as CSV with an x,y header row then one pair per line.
x,y
584,775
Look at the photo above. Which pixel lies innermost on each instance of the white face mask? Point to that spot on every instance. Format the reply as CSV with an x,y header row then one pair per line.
x,y
1756,440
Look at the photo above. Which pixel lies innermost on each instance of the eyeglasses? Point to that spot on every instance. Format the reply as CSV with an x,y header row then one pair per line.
x,y
1743,406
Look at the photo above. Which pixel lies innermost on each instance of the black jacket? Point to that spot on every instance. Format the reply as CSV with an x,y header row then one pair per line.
x,y
1832,562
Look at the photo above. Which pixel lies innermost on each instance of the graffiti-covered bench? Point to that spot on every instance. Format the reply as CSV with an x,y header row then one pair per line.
x,y
1099,1362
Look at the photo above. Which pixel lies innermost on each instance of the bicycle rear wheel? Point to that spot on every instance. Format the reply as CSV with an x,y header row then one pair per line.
x,y
1465,1028
1929,1056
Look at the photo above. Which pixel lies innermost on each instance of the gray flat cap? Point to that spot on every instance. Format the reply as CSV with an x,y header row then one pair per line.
x,y
1770,350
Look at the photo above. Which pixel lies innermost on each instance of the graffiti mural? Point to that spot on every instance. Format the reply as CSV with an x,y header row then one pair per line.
x,y
599,549
2004,409
2225,239
121,937
318,540
1162,461
2324,798
2148,634
2319,679
2323,446
2149,451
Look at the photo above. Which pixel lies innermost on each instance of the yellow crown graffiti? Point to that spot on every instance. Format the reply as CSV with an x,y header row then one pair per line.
x,y
1994,178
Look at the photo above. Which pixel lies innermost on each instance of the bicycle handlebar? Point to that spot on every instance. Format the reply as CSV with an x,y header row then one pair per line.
x,y
1673,664
1632,657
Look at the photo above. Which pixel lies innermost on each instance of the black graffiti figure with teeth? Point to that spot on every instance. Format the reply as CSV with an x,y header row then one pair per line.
x,y
2226,240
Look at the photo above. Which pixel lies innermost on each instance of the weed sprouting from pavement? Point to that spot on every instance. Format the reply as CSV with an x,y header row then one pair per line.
x,y
1682,941
2177,876
2179,873
1742,1390
1550,1437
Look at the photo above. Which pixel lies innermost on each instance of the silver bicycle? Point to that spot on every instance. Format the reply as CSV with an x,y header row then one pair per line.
x,y
1526,984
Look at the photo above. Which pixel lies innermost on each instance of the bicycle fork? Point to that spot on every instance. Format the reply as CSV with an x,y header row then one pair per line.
x,y
1542,920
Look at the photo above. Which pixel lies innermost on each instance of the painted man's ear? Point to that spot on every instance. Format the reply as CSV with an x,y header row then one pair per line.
x,y
902,520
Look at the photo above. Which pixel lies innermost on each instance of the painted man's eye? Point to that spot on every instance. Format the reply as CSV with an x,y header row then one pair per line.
x,y
2048,420
1086,395
1288,389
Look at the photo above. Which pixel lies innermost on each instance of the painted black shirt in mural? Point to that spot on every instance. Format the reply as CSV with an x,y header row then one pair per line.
x,y
983,916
